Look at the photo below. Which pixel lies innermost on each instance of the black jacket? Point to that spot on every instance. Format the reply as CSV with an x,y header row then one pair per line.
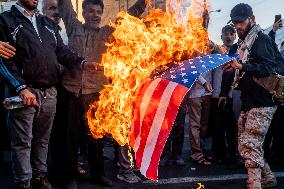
x,y
228,76
264,60
36,63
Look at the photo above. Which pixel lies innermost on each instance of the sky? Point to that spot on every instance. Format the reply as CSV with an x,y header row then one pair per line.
x,y
264,10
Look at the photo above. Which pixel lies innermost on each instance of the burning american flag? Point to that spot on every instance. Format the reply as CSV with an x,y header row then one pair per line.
x,y
157,106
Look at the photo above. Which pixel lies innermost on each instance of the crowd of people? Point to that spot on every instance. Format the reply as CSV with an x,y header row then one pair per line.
x,y
57,80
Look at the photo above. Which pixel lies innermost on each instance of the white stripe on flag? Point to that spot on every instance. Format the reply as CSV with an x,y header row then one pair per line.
x,y
143,107
156,127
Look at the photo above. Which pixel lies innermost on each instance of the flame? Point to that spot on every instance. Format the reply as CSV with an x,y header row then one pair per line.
x,y
140,46
200,186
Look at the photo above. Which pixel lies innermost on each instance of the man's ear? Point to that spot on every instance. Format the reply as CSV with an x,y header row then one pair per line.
x,y
252,19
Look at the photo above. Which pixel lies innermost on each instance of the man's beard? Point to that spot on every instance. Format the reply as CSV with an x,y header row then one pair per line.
x,y
28,6
242,34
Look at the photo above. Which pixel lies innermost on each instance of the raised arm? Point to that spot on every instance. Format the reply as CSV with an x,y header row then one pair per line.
x,y
137,9
68,15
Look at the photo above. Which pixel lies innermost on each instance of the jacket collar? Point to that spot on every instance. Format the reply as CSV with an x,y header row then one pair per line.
x,y
17,13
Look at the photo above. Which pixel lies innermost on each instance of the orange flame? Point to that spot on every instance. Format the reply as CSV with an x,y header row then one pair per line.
x,y
200,186
140,46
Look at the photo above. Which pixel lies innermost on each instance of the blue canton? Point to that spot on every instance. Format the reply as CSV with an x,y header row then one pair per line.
x,y
188,71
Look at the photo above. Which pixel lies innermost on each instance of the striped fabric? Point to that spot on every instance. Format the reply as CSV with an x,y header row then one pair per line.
x,y
157,106
17,85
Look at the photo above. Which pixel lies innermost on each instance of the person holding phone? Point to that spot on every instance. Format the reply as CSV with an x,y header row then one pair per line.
x,y
276,26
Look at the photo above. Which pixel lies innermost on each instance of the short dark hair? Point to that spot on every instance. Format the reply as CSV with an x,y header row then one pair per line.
x,y
282,43
94,2
228,28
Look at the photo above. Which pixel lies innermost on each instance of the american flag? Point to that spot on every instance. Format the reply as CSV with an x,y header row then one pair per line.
x,y
157,106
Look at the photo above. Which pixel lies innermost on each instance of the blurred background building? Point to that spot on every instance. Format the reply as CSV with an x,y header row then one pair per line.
x,y
6,4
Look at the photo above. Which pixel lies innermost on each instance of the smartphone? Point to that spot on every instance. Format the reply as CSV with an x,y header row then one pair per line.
x,y
278,17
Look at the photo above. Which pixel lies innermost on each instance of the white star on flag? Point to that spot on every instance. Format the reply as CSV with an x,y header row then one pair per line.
x,y
183,74
185,80
173,76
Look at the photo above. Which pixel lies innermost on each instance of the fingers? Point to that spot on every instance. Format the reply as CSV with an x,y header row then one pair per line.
x,y
11,48
6,51
3,56
33,103
28,98
220,100
227,67
278,22
10,51
6,54
93,66
210,88
29,101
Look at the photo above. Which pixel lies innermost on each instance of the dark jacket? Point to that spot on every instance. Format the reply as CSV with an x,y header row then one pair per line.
x,y
264,60
228,76
272,34
36,63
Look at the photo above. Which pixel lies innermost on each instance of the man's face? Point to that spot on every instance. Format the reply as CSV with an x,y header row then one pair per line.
x,y
93,15
50,9
243,27
228,38
29,4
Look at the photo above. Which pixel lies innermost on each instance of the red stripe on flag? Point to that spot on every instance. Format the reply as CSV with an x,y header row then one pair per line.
x,y
135,127
172,110
149,116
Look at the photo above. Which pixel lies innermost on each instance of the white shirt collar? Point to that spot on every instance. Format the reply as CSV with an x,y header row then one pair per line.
x,y
25,13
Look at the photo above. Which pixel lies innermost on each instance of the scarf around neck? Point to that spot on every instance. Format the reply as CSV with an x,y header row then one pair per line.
x,y
245,45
